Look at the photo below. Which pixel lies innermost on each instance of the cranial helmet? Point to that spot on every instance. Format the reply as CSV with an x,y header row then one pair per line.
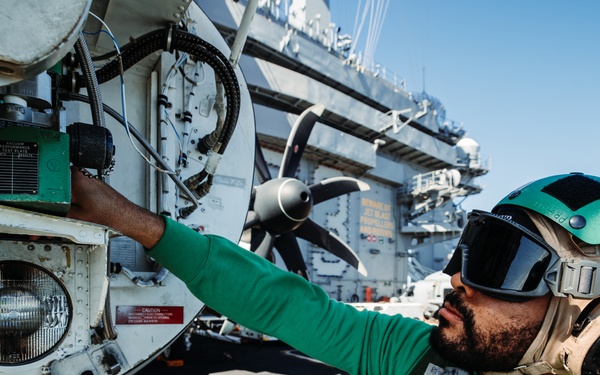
x,y
572,326
572,201
543,237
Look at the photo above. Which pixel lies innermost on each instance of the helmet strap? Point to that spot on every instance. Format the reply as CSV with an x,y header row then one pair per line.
x,y
585,317
537,368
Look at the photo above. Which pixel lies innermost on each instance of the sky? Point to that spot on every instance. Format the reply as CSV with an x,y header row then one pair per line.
x,y
521,76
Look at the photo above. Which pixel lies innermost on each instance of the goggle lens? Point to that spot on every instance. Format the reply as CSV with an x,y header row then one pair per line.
x,y
502,257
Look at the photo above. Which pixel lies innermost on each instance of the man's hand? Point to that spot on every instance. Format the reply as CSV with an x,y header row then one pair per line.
x,y
94,201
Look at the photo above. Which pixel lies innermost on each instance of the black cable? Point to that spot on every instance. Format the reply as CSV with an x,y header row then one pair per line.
x,y
194,45
134,52
170,39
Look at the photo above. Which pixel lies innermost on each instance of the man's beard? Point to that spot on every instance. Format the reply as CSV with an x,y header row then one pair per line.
x,y
497,348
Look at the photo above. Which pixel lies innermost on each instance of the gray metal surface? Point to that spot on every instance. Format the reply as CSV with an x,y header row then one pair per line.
x,y
36,35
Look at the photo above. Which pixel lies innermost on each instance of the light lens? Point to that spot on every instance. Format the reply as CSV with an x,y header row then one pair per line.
x,y
35,312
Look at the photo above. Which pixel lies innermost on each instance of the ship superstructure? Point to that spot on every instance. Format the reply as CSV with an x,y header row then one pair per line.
x,y
415,160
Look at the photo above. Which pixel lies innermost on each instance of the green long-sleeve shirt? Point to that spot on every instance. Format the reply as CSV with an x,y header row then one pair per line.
x,y
260,296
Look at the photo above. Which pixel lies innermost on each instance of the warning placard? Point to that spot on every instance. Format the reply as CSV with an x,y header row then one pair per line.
x,y
376,219
149,315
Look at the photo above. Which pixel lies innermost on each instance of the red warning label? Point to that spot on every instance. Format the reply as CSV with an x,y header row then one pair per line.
x,y
149,315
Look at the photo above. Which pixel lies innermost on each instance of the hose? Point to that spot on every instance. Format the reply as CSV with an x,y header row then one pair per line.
x,y
91,83
173,38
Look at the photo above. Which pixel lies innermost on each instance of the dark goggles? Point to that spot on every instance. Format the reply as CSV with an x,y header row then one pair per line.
x,y
502,258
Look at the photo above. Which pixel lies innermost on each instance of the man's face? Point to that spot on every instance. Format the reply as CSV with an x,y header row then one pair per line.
x,y
482,333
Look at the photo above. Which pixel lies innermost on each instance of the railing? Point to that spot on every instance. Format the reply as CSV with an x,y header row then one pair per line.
x,y
340,45
329,37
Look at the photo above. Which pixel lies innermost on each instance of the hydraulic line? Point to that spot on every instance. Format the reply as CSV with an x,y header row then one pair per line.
x,y
96,105
193,45
171,39
91,83
109,331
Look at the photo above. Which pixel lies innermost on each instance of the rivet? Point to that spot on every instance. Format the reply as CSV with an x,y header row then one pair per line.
x,y
514,194
577,222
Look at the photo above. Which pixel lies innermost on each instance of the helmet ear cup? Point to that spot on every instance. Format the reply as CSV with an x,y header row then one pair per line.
x,y
591,362
585,317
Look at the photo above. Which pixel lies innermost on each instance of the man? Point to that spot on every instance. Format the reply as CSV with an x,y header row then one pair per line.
x,y
515,274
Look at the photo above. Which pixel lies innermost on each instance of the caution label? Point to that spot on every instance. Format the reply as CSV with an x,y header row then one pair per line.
x,y
149,315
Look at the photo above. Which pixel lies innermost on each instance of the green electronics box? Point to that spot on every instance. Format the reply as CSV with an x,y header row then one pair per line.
x,y
34,169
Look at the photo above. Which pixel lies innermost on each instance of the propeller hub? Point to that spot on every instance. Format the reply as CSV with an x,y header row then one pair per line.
x,y
282,204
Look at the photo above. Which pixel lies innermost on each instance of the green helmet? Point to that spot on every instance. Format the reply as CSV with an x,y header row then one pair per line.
x,y
570,200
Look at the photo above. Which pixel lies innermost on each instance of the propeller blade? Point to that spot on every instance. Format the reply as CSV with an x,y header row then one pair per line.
x,y
261,243
287,245
336,186
251,220
297,139
327,240
246,236
260,164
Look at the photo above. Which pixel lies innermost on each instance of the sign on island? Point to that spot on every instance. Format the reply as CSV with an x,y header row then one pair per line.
x,y
376,218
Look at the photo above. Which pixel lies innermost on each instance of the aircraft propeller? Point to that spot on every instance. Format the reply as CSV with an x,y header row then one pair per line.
x,y
279,207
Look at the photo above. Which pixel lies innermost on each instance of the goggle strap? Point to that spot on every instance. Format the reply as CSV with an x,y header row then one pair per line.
x,y
578,279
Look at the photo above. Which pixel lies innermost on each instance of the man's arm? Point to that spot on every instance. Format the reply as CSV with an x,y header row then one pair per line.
x,y
255,292
94,201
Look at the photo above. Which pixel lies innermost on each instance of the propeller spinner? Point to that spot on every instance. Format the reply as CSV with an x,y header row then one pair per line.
x,y
280,207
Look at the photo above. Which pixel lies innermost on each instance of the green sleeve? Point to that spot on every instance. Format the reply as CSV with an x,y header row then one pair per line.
x,y
260,296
